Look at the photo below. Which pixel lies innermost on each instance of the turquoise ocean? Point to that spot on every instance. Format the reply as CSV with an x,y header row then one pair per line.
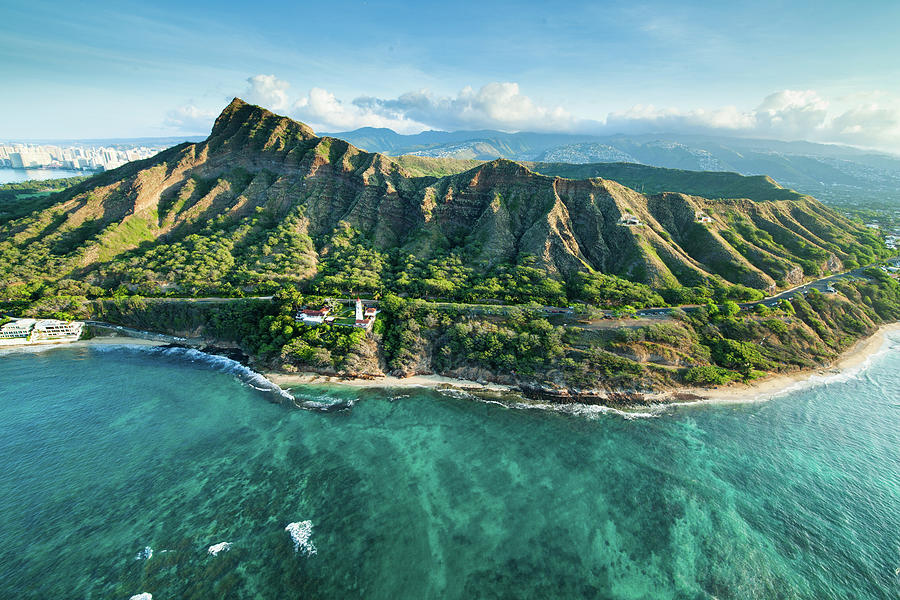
x,y
134,470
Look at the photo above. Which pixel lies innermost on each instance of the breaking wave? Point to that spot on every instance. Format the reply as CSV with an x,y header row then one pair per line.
x,y
247,376
591,411
324,403
145,554
219,363
300,533
220,547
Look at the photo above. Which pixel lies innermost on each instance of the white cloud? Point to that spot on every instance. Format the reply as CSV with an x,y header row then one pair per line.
x,y
497,105
649,119
267,91
322,111
874,124
189,119
792,113
865,119
494,106
786,114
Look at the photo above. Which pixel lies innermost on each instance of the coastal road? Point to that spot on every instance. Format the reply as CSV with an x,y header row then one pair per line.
x,y
823,285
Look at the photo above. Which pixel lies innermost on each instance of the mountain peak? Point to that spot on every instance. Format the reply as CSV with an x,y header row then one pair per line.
x,y
242,117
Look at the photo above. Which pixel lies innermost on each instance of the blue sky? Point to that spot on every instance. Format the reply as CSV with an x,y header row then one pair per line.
x,y
826,71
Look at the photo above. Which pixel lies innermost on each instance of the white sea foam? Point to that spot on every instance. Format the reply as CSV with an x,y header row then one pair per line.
x,y
145,554
325,406
324,402
144,596
223,364
245,375
831,377
590,411
227,365
35,349
452,392
220,547
300,532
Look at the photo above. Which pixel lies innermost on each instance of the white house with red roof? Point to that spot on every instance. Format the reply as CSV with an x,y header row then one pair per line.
x,y
313,317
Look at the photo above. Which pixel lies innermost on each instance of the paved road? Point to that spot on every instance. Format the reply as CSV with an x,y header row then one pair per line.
x,y
823,285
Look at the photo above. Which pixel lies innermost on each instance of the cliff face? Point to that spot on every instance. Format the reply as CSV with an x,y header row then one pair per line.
x,y
259,172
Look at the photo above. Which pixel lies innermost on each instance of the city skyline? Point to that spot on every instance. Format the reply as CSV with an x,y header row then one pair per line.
x,y
609,67
81,157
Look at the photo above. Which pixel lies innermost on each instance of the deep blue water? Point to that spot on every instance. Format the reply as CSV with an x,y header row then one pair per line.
x,y
422,494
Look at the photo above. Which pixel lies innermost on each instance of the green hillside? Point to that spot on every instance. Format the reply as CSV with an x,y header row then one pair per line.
x,y
654,180
643,178
264,202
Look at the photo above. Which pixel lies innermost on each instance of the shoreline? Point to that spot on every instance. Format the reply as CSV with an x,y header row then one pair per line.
x,y
781,383
385,381
95,341
758,391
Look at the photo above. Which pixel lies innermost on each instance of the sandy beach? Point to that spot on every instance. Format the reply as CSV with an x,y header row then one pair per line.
x,y
760,390
386,381
774,385
96,341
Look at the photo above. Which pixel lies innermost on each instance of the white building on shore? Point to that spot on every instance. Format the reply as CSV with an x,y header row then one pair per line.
x,y
39,331
311,316
18,328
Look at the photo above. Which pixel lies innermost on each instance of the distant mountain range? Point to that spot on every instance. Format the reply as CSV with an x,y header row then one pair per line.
x,y
836,174
264,199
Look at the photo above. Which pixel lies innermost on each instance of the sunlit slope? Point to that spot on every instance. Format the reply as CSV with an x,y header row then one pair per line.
x,y
264,199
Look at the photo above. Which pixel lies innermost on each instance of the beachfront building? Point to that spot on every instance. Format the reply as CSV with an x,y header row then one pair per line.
x,y
35,331
51,329
312,317
340,316
365,317
16,329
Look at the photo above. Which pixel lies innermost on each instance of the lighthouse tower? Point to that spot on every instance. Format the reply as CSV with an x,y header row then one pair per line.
x,y
359,310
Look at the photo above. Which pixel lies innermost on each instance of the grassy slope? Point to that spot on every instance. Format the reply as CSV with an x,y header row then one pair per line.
x,y
642,178
262,201
654,180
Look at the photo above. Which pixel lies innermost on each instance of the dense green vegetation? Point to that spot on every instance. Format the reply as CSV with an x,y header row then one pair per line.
x,y
20,199
713,344
643,178
264,203
462,261
265,330
655,180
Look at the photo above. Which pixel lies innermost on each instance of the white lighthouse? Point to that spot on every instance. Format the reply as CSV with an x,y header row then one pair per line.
x,y
359,310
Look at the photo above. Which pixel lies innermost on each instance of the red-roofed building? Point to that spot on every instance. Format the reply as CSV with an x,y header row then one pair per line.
x,y
311,316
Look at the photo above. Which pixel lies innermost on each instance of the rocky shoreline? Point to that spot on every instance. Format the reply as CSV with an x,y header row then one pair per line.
x,y
760,390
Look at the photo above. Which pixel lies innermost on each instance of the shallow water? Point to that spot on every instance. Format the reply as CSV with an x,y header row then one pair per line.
x,y
419,494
